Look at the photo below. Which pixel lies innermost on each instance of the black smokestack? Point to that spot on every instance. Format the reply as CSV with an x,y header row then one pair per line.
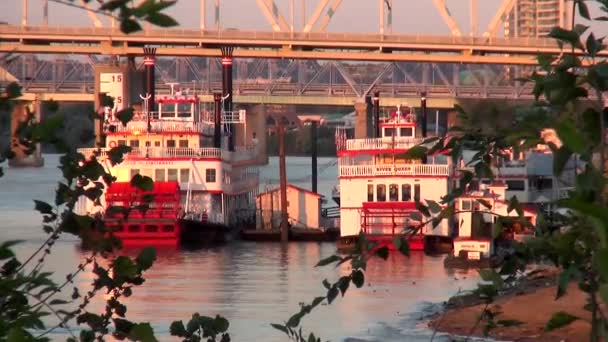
x,y
423,113
369,120
217,133
227,88
149,60
423,119
376,108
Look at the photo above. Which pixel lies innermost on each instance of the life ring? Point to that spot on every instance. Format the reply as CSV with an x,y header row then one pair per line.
x,y
112,144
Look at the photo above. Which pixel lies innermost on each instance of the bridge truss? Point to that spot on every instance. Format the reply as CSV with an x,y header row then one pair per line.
x,y
66,74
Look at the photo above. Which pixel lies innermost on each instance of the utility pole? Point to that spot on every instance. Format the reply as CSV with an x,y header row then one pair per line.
x,y
283,175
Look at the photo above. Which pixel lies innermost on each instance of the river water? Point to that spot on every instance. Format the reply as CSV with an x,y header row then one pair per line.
x,y
251,284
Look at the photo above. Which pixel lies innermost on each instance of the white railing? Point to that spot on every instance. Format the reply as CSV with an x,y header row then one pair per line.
x,y
386,143
397,170
159,126
237,116
160,152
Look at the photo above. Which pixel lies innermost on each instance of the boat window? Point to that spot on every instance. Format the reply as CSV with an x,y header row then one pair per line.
x,y
210,175
406,132
172,175
157,144
148,144
516,185
406,192
370,192
183,143
168,110
393,193
134,172
184,110
159,175
134,143
417,192
465,205
381,193
170,143
184,175
388,132
122,142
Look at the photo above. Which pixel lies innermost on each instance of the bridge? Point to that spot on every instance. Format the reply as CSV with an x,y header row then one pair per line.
x,y
289,64
291,45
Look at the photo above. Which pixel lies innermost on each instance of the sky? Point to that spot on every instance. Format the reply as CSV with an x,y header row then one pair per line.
x,y
356,16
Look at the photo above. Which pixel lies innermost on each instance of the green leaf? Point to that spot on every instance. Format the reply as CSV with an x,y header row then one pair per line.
x,y
343,284
124,267
144,183
112,5
279,327
545,61
125,115
43,207
594,45
332,294
317,301
329,260
423,209
570,136
583,10
146,258
13,90
220,324
568,36
58,302
160,19
433,206
116,154
514,205
142,332
294,320
129,26
358,278
382,252
559,319
563,281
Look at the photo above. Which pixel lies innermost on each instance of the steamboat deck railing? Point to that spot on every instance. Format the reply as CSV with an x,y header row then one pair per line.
x,y
394,170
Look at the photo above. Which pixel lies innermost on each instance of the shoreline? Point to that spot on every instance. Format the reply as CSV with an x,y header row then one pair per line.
x,y
532,303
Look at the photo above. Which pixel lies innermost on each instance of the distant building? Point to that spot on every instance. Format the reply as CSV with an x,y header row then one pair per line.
x,y
536,18
303,208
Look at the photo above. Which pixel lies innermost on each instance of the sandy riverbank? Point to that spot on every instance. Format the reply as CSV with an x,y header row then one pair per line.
x,y
533,305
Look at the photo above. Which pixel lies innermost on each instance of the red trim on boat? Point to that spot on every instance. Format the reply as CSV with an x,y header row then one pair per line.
x,y
391,176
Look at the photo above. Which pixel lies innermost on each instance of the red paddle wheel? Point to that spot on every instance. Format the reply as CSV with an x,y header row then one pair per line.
x,y
381,222
144,217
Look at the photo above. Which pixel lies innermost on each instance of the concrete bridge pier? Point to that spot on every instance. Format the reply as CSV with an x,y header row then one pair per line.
x,y
19,116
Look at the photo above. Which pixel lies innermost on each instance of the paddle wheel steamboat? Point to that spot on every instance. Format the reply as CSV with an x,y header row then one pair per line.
x,y
205,182
379,185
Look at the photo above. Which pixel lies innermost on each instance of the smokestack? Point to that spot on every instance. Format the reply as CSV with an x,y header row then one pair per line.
x,y
369,118
217,133
423,112
149,60
423,118
227,88
376,104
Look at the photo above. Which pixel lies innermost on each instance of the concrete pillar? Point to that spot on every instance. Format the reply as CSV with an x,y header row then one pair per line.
x,y
18,117
256,123
361,119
